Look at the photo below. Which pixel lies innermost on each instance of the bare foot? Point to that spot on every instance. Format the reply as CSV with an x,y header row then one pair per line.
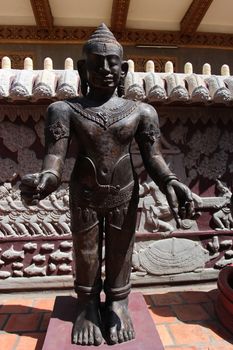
x,y
118,324
86,330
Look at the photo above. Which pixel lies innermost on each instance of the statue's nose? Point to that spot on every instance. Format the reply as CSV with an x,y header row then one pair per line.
x,y
105,67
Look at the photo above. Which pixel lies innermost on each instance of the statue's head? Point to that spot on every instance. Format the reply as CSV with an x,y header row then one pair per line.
x,y
103,42
102,67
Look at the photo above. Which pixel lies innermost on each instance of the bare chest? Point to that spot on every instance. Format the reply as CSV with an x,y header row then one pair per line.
x,y
115,125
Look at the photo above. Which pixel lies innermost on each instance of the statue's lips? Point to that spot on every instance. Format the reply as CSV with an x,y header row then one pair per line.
x,y
104,81
107,78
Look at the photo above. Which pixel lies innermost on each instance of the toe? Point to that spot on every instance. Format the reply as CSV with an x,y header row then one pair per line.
x,y
130,334
120,337
126,336
80,338
75,337
97,337
85,337
91,336
113,336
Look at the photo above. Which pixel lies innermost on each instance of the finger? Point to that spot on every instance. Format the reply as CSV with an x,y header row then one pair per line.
x,y
25,190
34,202
182,212
172,201
30,180
30,199
190,209
43,182
189,195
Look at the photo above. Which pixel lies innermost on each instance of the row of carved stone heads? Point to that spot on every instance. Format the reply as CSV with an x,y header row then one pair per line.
x,y
166,87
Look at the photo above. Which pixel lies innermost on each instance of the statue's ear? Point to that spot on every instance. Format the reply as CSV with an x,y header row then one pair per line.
x,y
124,68
121,85
82,70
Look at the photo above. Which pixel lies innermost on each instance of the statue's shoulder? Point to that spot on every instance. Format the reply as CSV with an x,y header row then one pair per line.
x,y
127,101
147,111
76,104
58,107
126,104
74,100
146,108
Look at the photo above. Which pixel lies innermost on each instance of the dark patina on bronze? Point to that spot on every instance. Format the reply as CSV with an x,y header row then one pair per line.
x,y
103,185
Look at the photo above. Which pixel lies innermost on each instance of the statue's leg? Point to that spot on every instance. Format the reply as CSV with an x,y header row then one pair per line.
x,y
87,238
119,242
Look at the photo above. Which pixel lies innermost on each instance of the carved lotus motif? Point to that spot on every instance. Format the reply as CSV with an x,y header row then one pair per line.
x,y
222,95
200,94
157,93
135,92
179,93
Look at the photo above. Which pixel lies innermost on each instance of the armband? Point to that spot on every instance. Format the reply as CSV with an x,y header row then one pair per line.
x,y
53,164
149,136
54,172
58,131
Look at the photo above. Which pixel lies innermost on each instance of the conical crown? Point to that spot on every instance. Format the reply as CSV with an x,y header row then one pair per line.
x,y
102,39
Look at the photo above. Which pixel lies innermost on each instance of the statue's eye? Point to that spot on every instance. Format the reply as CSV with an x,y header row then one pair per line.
x,y
113,62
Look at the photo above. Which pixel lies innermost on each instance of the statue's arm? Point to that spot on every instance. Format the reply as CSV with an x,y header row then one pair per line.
x,y
35,187
178,195
148,139
57,138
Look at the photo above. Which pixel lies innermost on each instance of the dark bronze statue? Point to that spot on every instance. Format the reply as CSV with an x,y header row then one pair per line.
x,y
103,184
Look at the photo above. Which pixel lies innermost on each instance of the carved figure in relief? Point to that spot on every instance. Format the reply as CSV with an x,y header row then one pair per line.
x,y
223,218
103,184
157,213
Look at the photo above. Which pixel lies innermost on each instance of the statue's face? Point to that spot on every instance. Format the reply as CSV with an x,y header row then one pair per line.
x,y
103,70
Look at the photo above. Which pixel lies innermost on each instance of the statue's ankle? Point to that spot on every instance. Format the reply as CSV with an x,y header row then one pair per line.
x,y
88,294
116,294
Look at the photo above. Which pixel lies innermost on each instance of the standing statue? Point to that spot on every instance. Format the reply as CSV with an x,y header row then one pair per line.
x,y
103,184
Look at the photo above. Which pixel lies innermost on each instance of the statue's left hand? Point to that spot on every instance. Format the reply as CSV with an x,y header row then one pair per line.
x,y
180,200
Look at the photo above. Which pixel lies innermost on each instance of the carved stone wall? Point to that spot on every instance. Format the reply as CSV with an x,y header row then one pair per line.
x,y
198,146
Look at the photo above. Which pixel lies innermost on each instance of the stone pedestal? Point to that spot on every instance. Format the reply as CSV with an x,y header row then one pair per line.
x,y
60,326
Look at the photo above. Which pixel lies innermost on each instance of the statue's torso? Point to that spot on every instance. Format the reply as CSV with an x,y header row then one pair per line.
x,y
104,138
106,145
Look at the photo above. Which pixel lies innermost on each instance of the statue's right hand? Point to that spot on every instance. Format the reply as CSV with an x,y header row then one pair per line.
x,y
35,187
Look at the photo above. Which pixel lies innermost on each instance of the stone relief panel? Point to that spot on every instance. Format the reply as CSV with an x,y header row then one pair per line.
x,y
50,218
206,148
155,214
35,258
22,149
177,255
170,256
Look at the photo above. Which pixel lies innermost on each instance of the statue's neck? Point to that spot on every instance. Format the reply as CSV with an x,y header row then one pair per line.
x,y
101,96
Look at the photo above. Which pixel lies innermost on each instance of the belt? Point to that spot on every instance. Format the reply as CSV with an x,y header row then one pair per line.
x,y
105,197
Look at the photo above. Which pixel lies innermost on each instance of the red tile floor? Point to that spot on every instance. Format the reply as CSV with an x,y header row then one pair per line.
x,y
184,317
